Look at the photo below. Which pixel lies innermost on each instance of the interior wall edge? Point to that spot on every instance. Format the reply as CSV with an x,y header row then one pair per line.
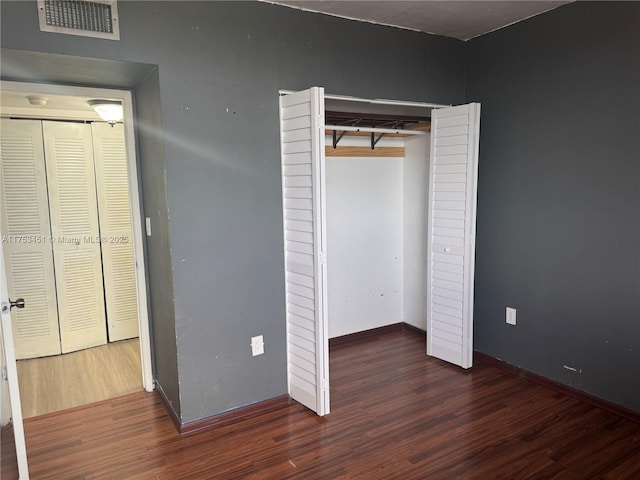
x,y
168,405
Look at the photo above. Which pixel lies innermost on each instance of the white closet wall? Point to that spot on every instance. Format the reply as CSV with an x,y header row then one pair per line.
x,y
376,231
365,239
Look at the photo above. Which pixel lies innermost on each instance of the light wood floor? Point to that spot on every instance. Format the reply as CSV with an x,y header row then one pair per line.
x,y
395,414
50,384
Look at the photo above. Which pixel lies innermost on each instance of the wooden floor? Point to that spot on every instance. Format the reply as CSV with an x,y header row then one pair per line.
x,y
60,382
8,457
396,414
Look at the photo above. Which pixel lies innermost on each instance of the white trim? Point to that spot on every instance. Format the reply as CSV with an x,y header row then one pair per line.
x,y
345,128
470,227
284,241
375,101
136,213
12,379
52,114
320,250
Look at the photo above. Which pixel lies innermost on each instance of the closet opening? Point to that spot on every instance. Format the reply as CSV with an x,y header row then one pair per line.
x,y
376,181
72,244
379,226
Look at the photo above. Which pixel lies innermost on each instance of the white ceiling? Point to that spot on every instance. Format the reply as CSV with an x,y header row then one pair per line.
x,y
458,19
17,104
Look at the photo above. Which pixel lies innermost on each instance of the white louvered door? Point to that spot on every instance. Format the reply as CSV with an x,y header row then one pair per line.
x,y
26,239
10,406
451,232
75,231
302,136
114,209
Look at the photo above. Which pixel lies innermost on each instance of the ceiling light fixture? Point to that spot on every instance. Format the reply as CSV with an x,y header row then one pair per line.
x,y
37,100
109,110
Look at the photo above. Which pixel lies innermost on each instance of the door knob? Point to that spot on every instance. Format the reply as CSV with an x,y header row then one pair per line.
x,y
6,306
19,303
447,249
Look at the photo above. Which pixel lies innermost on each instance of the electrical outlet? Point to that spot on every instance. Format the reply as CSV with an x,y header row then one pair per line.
x,y
257,345
511,316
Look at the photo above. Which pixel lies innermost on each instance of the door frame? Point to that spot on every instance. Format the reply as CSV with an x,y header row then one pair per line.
x,y
126,98
12,377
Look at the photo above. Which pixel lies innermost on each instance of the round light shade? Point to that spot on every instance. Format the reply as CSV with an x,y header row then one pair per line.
x,y
109,110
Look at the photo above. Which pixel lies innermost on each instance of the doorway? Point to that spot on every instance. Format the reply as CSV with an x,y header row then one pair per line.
x,y
67,103
449,237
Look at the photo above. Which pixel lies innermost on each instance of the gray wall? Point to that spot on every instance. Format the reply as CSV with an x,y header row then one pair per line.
x,y
558,232
559,186
219,68
158,247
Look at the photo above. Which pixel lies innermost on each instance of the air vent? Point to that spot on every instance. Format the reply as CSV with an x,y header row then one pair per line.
x,y
89,18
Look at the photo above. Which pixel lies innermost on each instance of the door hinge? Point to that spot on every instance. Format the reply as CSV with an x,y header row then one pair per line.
x,y
5,375
323,258
325,385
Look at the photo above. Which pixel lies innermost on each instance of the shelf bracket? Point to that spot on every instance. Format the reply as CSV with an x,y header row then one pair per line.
x,y
375,140
336,138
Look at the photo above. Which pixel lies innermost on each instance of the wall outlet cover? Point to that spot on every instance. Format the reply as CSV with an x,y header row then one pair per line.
x,y
257,345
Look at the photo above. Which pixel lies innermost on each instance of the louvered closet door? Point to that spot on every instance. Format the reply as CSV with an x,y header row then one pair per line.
x,y
451,232
114,207
10,406
26,239
302,135
74,226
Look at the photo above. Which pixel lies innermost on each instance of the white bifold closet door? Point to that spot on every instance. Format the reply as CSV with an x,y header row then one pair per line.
x,y
76,234
302,137
26,239
451,232
114,207
10,407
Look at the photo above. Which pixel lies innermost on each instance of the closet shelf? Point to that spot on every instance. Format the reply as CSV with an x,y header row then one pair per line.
x,y
357,124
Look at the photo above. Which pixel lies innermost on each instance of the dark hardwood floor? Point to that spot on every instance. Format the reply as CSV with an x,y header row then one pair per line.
x,y
396,414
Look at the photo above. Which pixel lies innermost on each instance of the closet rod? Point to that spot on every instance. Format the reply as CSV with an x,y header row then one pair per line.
x,y
345,128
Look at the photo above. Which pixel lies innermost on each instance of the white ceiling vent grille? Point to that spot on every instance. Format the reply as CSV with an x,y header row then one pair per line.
x,y
89,18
